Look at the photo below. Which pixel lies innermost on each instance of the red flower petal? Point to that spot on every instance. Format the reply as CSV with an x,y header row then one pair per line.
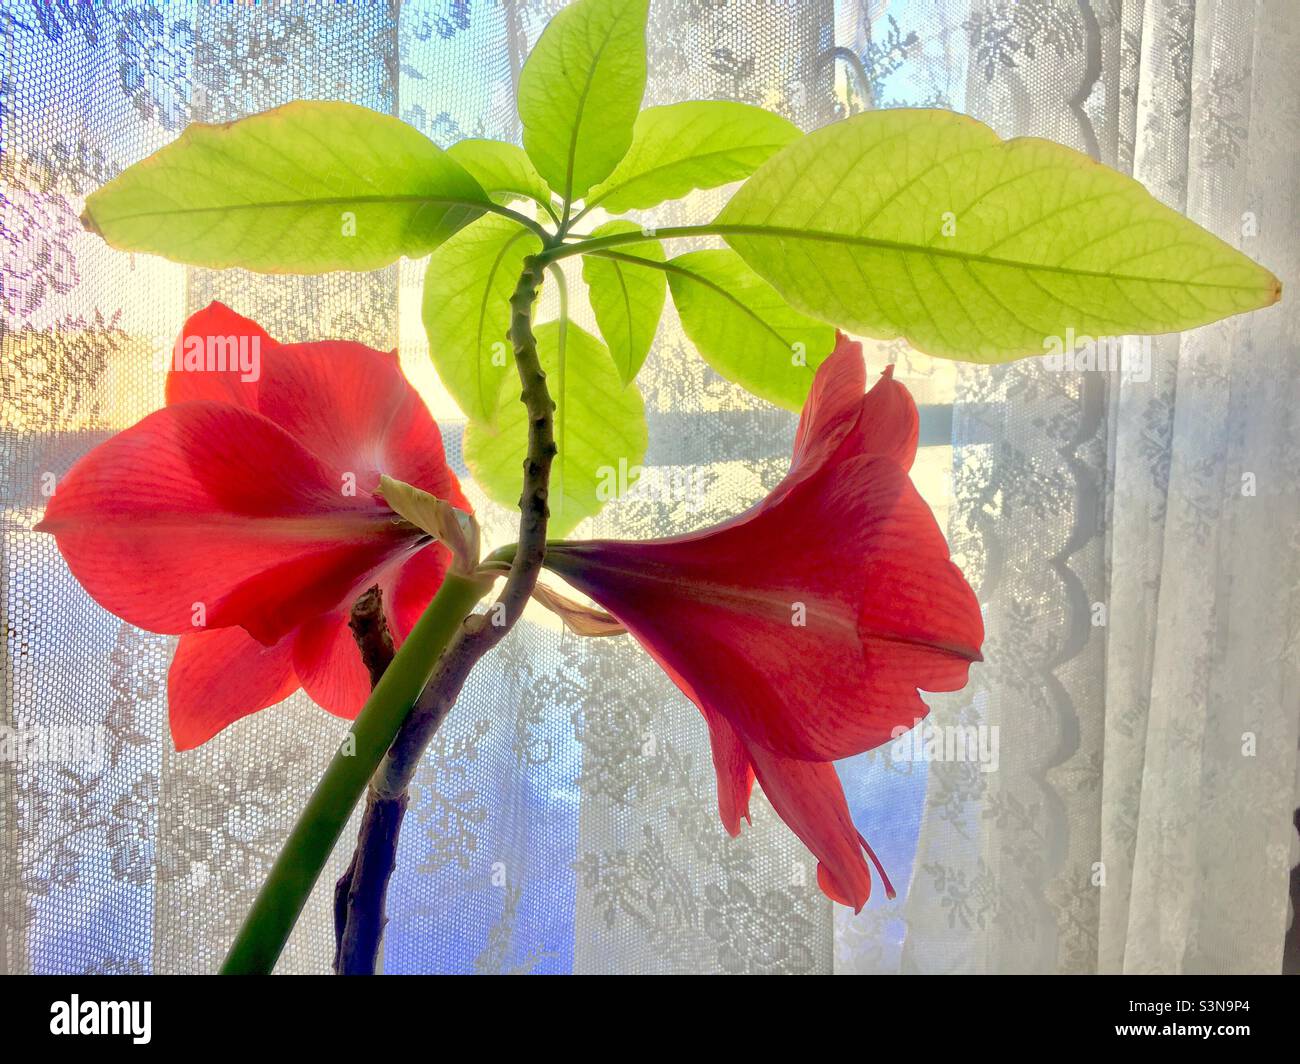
x,y
251,496
808,796
325,653
216,335
409,588
352,407
887,424
854,554
734,769
221,675
831,410
838,422
347,403
329,665
803,628
208,503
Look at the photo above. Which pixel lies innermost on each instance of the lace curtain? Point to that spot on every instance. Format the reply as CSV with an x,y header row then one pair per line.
x,y
565,819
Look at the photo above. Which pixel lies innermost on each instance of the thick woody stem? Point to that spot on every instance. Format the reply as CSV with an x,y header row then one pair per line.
x,y
370,630
360,892
359,897
479,633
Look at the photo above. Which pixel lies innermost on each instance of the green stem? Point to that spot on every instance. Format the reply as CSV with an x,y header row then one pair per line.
x,y
672,232
523,219
294,874
586,209
698,278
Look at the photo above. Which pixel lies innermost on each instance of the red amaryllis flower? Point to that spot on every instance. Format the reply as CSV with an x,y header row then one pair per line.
x,y
803,628
243,517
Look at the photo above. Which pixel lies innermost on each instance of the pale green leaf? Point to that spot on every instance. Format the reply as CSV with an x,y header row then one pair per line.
x,y
580,90
503,170
305,188
923,224
681,147
626,298
453,528
600,432
744,329
466,310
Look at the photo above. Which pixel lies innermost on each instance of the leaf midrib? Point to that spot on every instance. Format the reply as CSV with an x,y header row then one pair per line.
x,y
582,109
627,315
672,267
828,237
270,205
680,161
824,236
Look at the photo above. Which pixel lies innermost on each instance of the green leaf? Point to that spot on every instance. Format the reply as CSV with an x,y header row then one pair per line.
x,y
304,188
627,299
503,170
603,433
744,329
923,224
686,146
580,90
467,310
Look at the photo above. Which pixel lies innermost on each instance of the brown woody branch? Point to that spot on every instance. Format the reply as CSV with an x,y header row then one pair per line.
x,y
359,908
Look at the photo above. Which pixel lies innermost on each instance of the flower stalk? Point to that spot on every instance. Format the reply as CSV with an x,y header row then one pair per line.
x,y
282,897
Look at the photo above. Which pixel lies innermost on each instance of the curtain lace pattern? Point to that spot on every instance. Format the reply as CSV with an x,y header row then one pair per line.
x,y
1133,536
